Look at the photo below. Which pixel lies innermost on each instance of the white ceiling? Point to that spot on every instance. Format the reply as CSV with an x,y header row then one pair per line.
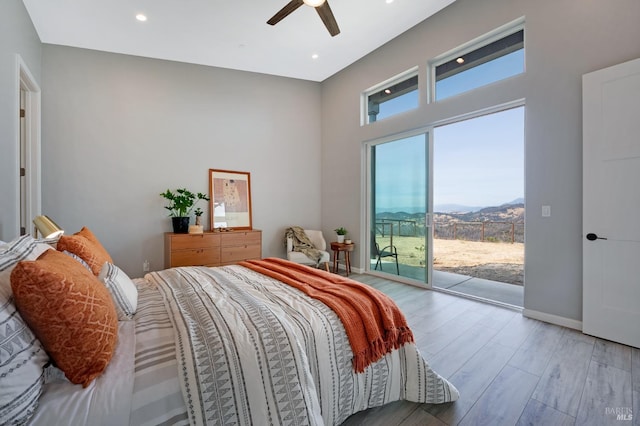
x,y
230,33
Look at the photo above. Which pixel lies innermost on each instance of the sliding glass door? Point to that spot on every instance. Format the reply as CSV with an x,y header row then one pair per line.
x,y
399,219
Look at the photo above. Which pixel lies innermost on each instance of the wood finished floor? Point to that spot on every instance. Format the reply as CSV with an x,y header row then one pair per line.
x,y
510,370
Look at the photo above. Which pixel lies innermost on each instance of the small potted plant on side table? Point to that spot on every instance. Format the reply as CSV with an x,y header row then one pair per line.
x,y
341,232
181,204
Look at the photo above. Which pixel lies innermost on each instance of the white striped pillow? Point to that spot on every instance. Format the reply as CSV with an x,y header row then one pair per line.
x,y
78,259
22,361
123,291
22,357
21,248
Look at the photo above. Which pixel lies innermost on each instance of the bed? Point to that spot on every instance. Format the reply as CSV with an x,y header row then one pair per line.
x,y
261,342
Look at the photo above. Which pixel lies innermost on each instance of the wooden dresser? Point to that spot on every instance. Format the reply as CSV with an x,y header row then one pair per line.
x,y
211,248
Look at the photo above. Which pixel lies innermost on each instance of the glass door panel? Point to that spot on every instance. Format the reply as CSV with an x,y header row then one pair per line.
x,y
399,215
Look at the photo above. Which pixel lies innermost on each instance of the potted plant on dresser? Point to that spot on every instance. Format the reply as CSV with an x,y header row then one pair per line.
x,y
197,228
181,204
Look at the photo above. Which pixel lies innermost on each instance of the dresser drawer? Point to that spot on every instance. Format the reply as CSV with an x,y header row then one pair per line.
x,y
241,238
195,257
211,248
238,253
194,241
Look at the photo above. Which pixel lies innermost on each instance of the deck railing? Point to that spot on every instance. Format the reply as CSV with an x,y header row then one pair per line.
x,y
480,231
494,231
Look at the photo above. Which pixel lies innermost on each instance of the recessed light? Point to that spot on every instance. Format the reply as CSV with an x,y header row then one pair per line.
x,y
389,1
387,91
315,56
140,17
460,60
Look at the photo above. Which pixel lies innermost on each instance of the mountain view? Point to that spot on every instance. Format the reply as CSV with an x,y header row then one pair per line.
x,y
494,223
459,208
462,229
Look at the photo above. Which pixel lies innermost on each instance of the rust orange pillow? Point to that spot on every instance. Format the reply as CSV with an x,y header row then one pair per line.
x,y
86,245
69,311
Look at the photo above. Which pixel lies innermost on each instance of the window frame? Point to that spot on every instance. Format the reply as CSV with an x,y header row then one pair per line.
x,y
397,79
464,49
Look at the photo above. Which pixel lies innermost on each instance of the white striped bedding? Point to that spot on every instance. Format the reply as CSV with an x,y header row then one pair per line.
x,y
157,395
279,356
139,387
236,312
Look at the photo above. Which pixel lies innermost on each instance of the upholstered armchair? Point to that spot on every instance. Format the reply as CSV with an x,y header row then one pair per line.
x,y
318,241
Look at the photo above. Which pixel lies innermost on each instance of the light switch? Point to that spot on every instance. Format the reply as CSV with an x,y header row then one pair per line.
x,y
546,211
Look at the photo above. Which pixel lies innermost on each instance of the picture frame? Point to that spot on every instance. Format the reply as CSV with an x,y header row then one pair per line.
x,y
230,200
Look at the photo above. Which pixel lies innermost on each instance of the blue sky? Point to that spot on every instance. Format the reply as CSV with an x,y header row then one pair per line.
x,y
400,175
480,162
489,72
477,162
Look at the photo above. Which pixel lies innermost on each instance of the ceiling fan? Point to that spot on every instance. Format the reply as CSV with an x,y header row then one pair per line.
x,y
321,6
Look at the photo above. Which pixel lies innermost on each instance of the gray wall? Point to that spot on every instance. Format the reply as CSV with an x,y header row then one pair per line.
x,y
17,36
564,39
118,130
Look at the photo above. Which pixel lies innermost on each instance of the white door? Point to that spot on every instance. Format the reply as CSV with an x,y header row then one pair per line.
x,y
611,203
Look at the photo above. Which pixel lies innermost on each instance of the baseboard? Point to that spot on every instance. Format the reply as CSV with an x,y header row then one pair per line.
x,y
553,319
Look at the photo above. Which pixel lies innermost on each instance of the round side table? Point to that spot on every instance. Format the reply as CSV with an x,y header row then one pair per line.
x,y
346,249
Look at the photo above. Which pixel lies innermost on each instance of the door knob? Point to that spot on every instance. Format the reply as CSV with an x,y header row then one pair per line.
x,y
592,237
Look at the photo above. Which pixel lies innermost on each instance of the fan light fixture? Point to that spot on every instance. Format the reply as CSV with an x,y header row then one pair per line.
x,y
47,227
313,3
321,6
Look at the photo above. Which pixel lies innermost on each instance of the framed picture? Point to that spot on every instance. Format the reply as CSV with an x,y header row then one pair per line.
x,y
230,204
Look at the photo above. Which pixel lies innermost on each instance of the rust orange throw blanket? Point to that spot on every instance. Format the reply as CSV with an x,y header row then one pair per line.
x,y
373,322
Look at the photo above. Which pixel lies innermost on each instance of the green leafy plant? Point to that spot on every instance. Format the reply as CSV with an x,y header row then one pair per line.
x,y
341,231
198,212
182,201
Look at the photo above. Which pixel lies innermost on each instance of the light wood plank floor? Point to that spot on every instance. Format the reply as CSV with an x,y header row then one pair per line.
x,y
510,370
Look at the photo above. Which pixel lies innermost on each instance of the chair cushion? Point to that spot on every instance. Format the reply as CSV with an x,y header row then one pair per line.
x,y
318,241
298,257
316,238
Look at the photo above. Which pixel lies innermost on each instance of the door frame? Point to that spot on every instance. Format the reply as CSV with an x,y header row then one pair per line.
x,y
32,105
365,255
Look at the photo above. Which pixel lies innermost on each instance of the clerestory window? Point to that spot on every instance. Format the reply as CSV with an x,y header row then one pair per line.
x,y
392,97
494,57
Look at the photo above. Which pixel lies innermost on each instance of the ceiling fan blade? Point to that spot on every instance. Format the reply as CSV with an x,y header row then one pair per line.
x,y
327,17
285,11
